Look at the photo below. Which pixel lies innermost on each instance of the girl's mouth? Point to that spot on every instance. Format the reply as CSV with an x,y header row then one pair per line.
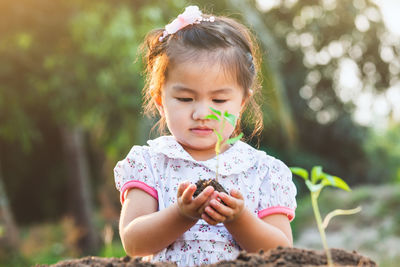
x,y
201,131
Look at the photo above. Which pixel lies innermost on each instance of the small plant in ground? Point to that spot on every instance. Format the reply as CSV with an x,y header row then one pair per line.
x,y
222,118
315,184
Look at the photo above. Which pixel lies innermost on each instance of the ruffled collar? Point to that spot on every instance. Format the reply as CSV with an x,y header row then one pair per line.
x,y
238,158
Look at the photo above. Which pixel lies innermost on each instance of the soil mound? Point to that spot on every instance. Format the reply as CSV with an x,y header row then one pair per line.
x,y
288,257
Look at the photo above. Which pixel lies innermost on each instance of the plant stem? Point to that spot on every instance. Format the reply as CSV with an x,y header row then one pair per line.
x,y
314,196
216,169
218,146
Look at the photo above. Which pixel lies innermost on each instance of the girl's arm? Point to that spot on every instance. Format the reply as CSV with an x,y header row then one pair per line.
x,y
145,231
266,233
251,232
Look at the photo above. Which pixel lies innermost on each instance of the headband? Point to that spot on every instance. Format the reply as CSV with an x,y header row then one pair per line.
x,y
191,15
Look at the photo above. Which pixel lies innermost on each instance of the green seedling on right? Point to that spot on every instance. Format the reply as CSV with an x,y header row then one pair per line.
x,y
318,181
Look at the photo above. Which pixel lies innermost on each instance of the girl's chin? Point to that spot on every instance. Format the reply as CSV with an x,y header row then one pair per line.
x,y
199,147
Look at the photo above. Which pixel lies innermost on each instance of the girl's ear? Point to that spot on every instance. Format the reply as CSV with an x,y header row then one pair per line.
x,y
246,98
159,105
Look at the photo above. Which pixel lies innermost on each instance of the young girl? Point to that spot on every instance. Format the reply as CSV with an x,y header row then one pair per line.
x,y
200,61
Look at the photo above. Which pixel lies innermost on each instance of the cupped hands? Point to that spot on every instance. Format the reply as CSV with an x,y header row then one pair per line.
x,y
190,207
218,212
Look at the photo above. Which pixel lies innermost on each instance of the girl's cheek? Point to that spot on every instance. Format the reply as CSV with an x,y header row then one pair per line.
x,y
228,130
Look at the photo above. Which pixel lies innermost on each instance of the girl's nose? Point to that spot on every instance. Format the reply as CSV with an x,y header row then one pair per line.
x,y
200,111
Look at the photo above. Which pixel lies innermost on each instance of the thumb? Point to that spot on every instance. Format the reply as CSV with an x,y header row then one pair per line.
x,y
181,188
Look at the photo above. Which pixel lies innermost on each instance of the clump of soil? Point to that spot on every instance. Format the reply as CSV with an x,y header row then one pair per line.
x,y
202,184
296,257
108,262
289,257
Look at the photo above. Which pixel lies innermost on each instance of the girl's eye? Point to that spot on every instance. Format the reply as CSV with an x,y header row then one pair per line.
x,y
184,99
219,100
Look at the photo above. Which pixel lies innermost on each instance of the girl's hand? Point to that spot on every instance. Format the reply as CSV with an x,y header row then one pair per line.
x,y
218,212
189,207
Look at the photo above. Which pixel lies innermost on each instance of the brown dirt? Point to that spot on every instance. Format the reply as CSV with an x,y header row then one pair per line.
x,y
296,257
288,257
202,184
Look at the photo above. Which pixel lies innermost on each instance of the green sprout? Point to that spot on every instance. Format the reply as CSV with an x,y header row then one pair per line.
x,y
318,181
222,118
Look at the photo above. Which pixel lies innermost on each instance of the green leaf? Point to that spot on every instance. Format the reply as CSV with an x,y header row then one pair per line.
x,y
212,117
234,139
300,172
314,187
230,118
316,174
336,182
328,178
218,135
216,111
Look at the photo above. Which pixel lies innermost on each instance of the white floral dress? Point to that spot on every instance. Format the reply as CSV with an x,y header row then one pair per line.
x,y
265,183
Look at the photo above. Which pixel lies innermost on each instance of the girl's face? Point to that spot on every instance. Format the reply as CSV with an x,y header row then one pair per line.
x,y
190,89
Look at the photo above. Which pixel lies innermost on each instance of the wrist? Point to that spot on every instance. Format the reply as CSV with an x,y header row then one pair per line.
x,y
183,215
236,218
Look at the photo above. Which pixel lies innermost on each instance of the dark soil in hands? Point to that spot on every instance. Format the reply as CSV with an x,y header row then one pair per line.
x,y
288,257
202,184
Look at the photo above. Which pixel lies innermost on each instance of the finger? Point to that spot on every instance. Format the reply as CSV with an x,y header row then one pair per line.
x,y
181,188
188,193
214,214
206,202
228,200
221,208
236,194
207,218
203,206
203,197
214,195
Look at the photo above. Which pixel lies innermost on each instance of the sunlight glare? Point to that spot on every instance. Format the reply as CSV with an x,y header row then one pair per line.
x,y
267,5
390,10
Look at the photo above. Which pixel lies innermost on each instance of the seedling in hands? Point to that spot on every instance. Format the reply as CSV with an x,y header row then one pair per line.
x,y
318,181
218,116
222,118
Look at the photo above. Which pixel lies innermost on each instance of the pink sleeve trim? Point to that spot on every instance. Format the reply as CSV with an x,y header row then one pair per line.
x,y
138,184
278,209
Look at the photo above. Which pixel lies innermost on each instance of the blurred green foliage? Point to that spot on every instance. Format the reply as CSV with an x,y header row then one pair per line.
x,y
383,152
